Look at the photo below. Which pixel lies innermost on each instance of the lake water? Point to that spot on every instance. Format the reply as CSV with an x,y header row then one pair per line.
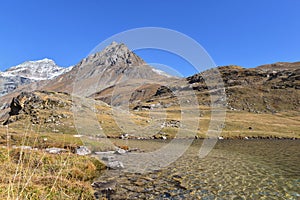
x,y
234,169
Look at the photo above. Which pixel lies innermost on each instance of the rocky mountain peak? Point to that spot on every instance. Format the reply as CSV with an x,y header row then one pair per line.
x,y
114,54
114,45
115,65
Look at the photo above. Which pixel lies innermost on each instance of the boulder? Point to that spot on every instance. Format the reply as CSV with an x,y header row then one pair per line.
x,y
115,165
54,150
23,147
15,106
120,151
82,150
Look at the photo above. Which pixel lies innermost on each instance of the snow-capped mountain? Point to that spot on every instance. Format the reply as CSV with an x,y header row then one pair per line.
x,y
36,70
28,72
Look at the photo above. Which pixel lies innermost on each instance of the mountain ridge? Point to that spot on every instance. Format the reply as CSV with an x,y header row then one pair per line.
x,y
120,78
110,74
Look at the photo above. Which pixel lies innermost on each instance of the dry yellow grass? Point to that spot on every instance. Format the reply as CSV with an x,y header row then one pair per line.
x,y
35,174
240,123
265,125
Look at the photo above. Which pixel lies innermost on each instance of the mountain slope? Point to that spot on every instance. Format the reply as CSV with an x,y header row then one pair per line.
x,y
257,89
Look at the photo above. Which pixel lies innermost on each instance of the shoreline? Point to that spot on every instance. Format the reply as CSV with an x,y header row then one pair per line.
x,y
202,138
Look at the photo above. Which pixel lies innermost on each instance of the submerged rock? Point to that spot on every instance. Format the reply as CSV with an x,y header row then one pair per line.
x,y
104,188
108,158
105,185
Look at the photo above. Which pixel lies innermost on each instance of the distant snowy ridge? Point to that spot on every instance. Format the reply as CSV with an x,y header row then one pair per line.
x,y
36,70
160,72
29,72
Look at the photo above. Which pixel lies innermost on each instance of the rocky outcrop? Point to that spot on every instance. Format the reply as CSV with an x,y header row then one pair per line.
x,y
15,106
238,76
163,90
32,104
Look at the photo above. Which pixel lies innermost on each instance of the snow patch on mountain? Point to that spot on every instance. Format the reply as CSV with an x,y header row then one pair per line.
x,y
160,72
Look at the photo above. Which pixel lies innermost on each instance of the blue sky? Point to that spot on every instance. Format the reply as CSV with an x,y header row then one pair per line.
x,y
241,32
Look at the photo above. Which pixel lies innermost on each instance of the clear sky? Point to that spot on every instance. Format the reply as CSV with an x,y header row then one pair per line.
x,y
241,32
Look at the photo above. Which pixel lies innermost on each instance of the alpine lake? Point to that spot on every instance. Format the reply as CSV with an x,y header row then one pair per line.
x,y
233,169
